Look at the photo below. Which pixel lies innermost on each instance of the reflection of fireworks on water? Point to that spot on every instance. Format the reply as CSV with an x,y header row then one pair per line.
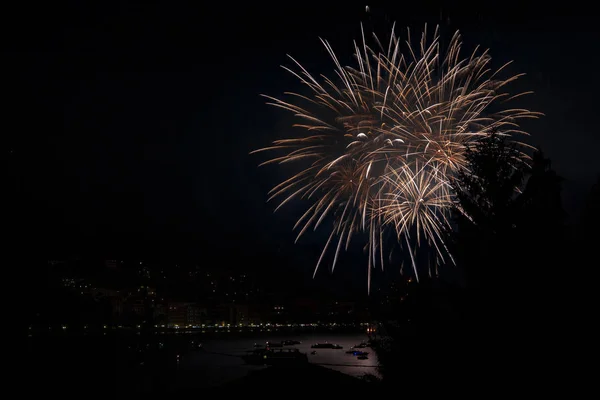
x,y
383,143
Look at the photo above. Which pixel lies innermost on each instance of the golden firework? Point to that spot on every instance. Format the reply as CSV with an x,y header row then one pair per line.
x,y
382,140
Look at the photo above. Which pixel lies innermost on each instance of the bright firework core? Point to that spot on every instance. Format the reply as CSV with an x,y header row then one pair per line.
x,y
385,137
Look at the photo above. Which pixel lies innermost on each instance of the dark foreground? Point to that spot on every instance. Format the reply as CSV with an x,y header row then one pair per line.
x,y
300,379
130,366
509,357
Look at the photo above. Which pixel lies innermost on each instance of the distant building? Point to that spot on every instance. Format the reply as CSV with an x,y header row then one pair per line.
x,y
254,315
193,315
279,314
161,311
220,314
305,310
176,315
116,304
137,305
240,315
147,291
115,298
180,314
73,283
236,315
342,308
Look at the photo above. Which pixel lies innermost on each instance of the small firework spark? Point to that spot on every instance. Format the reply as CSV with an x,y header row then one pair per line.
x,y
383,140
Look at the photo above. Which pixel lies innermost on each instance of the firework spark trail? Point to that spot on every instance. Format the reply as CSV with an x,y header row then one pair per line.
x,y
384,143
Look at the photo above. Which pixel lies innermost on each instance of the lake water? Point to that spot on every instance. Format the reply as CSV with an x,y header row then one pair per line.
x,y
221,360
163,363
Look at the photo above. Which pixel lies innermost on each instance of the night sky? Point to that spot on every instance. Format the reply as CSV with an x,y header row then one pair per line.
x,y
128,126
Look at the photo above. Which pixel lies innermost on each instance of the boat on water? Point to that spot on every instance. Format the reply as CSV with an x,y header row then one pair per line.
x,y
326,346
357,353
275,356
273,344
290,342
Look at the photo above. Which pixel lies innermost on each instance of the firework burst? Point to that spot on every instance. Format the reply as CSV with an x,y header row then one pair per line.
x,y
382,140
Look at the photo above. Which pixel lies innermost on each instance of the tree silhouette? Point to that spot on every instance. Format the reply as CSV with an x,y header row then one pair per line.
x,y
585,258
541,229
511,234
591,215
543,246
509,238
487,209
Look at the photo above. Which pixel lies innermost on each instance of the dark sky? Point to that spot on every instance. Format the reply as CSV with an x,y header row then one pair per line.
x,y
129,125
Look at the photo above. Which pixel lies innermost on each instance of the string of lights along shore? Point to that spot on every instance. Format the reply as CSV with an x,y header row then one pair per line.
x,y
382,139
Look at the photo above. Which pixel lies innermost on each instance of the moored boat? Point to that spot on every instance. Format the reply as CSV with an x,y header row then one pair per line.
x,y
326,346
275,356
